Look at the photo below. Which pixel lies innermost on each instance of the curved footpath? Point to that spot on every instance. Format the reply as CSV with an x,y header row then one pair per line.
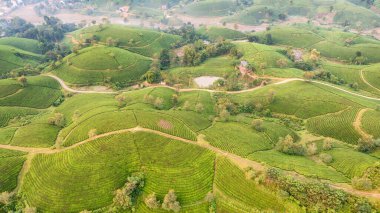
x,y
286,80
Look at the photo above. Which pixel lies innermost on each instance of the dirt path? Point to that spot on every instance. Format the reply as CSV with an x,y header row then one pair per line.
x,y
25,168
284,81
239,161
67,88
358,123
366,82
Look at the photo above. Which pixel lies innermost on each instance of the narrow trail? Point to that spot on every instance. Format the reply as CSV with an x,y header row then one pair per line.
x,y
25,168
358,123
237,160
366,82
67,88
284,81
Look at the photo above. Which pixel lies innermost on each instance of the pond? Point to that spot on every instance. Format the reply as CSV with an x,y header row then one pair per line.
x,y
206,81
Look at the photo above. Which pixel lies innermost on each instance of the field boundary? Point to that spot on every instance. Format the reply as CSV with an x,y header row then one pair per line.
x,y
286,80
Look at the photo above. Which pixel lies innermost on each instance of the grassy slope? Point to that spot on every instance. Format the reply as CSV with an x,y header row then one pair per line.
x,y
214,33
331,43
29,45
12,58
40,93
98,64
10,165
141,41
167,164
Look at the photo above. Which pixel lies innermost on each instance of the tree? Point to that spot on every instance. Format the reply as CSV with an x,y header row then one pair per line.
x,y
92,133
23,81
288,146
224,115
170,202
257,124
268,39
199,107
58,120
164,59
126,196
327,144
308,76
158,103
354,86
152,76
366,145
175,99
151,201
282,63
314,55
5,198
121,100
326,158
312,149
271,96
186,105
29,209
362,183
253,38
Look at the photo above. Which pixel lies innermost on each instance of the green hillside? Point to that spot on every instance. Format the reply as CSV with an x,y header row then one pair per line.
x,y
100,64
29,45
11,58
141,41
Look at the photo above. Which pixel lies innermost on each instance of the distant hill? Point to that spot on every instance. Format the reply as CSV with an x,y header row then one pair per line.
x,y
142,41
100,64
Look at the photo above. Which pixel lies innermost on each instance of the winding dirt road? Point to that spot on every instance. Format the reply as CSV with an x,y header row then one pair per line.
x,y
239,161
284,81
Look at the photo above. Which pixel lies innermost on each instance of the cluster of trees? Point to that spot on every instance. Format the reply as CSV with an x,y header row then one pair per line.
x,y
157,102
316,196
289,146
195,54
57,120
48,34
268,39
329,77
359,59
169,203
9,202
187,32
125,197
368,144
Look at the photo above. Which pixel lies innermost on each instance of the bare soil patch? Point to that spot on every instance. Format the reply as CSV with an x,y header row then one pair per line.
x,y
165,124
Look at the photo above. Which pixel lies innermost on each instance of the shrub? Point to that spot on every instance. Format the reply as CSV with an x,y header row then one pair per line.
x,y
327,144
361,183
151,201
312,149
326,158
121,100
30,210
92,133
126,196
257,124
288,146
224,115
199,107
186,105
170,202
159,103
304,65
58,120
366,145
23,81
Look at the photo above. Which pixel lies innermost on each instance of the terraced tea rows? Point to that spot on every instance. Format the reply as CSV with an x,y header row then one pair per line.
x,y
338,125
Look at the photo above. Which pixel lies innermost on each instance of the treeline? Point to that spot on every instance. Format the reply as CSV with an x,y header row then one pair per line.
x,y
48,34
